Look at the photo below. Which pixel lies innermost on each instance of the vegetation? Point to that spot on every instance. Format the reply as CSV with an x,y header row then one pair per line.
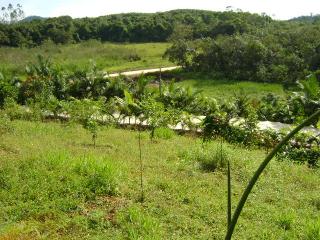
x,y
110,57
246,68
90,99
261,57
180,200
131,27
222,88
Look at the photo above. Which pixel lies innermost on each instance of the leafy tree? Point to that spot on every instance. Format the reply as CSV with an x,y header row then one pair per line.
x,y
11,14
157,115
88,113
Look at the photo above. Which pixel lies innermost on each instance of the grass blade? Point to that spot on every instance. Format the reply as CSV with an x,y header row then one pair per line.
x,y
261,168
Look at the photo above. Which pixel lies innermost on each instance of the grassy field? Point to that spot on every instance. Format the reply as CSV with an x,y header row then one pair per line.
x,y
225,89
55,185
112,57
107,56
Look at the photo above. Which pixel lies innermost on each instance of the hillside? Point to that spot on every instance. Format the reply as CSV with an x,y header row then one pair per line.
x,y
31,18
129,27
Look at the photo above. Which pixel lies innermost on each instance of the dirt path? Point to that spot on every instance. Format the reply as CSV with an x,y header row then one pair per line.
x,y
144,71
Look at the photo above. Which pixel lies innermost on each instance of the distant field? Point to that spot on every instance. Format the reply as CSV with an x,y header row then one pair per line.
x,y
112,57
107,56
221,89
55,185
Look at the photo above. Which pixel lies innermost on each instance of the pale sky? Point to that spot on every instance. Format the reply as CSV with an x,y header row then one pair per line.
x,y
278,9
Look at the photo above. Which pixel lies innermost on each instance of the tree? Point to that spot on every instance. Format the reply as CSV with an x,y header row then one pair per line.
x,y
88,113
157,115
11,14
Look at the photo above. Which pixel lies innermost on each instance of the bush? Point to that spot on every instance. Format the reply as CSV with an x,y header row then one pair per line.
x,y
302,149
13,110
5,124
164,133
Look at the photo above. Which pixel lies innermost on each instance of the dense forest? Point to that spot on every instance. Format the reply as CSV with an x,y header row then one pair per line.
x,y
131,27
236,45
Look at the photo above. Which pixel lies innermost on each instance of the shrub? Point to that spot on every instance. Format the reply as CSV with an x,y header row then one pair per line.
x,y
302,149
8,89
13,110
5,124
164,133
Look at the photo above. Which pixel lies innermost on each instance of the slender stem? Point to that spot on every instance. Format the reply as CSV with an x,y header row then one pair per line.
x,y
141,167
263,165
229,195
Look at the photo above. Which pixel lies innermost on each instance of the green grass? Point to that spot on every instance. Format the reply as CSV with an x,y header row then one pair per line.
x,y
55,185
225,89
110,57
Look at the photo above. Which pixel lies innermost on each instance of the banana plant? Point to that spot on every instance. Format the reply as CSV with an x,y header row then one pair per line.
x,y
310,96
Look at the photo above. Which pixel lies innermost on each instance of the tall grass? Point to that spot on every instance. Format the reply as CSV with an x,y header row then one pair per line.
x,y
55,183
107,56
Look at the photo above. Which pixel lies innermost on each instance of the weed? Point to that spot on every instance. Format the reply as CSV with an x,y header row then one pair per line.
x,y
208,158
313,230
139,225
164,133
285,221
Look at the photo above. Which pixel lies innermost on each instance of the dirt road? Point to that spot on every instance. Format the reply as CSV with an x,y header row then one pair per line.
x,y
144,71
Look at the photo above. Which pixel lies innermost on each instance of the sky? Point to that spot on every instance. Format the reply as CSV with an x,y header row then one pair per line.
x,y
277,9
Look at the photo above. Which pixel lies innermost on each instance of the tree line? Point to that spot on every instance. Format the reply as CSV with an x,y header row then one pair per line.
x,y
281,51
131,27
232,44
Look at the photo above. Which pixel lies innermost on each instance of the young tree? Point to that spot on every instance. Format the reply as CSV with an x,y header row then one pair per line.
x,y
87,113
157,115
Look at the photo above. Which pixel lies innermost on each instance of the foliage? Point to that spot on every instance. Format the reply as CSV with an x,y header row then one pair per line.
x,y
88,113
263,57
157,115
130,27
5,125
164,133
8,88
302,149
43,81
15,111
273,108
11,14
296,106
